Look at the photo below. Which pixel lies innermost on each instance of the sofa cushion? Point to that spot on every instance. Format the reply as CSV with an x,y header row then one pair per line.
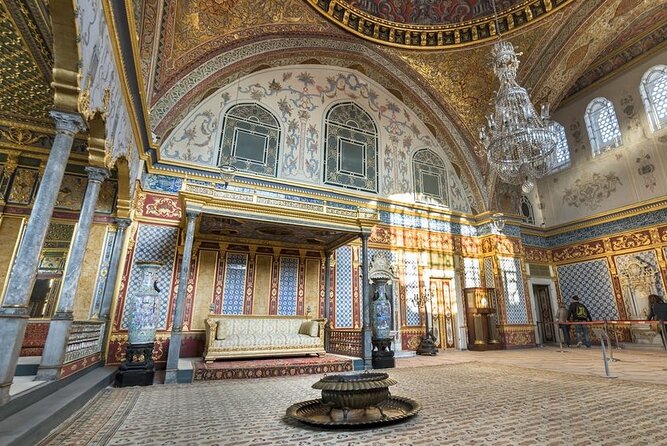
x,y
220,333
264,342
310,328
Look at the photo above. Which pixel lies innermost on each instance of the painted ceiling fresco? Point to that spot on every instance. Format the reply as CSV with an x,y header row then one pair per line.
x,y
429,12
207,44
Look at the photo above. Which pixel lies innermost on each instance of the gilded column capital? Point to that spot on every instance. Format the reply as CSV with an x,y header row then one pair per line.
x,y
69,123
123,223
97,174
192,214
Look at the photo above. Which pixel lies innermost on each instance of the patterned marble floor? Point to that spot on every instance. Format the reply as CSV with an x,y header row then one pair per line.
x,y
463,403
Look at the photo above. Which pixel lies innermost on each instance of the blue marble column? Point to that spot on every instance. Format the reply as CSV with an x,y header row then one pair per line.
x,y
177,327
112,275
365,292
14,310
59,328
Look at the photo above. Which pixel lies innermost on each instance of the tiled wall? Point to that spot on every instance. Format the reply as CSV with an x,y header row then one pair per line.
x,y
591,281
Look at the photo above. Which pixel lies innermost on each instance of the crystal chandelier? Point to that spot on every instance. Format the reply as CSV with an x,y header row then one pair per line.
x,y
518,142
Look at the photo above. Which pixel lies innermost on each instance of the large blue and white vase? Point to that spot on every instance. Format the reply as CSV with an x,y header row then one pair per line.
x,y
381,311
144,305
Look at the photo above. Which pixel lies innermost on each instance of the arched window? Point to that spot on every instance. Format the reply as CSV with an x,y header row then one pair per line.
x,y
250,139
653,89
602,124
527,210
562,152
350,148
430,178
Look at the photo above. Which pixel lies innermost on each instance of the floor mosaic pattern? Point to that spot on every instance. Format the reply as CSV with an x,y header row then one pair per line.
x,y
467,403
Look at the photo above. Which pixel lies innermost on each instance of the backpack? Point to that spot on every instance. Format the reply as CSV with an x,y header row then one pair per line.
x,y
581,312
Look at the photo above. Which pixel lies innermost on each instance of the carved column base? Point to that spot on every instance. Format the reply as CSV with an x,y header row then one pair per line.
x,y
383,355
138,368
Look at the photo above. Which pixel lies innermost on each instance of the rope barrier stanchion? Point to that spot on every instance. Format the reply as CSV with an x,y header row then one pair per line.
x,y
602,335
559,334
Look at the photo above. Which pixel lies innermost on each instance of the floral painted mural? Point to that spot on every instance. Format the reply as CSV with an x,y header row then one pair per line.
x,y
300,98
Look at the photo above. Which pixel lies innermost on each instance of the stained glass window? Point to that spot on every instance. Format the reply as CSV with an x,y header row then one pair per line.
x,y
527,210
653,89
250,139
602,124
351,148
430,177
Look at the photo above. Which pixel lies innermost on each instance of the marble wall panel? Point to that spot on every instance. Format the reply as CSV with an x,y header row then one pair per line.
x,y
102,273
204,290
260,304
89,272
9,234
312,287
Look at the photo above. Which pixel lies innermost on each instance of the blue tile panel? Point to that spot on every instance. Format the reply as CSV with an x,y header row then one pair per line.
x,y
154,244
288,286
102,274
234,291
412,288
344,287
591,281
601,230
514,293
472,273
161,183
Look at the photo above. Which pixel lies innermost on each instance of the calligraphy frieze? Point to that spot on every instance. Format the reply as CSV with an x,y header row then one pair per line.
x,y
578,251
537,255
632,240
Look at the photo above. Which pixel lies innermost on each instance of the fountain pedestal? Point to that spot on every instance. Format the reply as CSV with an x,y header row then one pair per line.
x,y
383,355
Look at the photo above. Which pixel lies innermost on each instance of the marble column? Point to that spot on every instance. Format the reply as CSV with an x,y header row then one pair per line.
x,y
59,328
14,311
112,274
365,292
327,298
177,326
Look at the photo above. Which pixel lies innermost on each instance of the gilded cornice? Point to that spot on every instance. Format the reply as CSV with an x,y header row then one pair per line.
x,y
644,40
433,37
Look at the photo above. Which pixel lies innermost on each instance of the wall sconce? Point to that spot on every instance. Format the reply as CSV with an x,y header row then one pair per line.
x,y
498,221
227,173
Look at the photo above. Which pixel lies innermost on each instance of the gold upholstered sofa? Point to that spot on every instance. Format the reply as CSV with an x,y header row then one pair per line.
x,y
251,336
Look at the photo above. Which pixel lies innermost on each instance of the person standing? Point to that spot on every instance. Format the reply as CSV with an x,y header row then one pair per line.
x,y
579,313
658,313
561,317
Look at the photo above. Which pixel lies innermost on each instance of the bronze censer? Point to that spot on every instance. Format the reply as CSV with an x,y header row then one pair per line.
x,y
358,391
352,395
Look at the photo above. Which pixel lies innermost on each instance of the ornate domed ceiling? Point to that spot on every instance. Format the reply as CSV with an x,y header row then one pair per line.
x,y
430,12
431,24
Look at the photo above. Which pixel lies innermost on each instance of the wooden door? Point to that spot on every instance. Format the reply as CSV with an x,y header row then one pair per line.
x,y
545,314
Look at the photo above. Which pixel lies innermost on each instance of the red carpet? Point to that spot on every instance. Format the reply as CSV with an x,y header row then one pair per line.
x,y
266,368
